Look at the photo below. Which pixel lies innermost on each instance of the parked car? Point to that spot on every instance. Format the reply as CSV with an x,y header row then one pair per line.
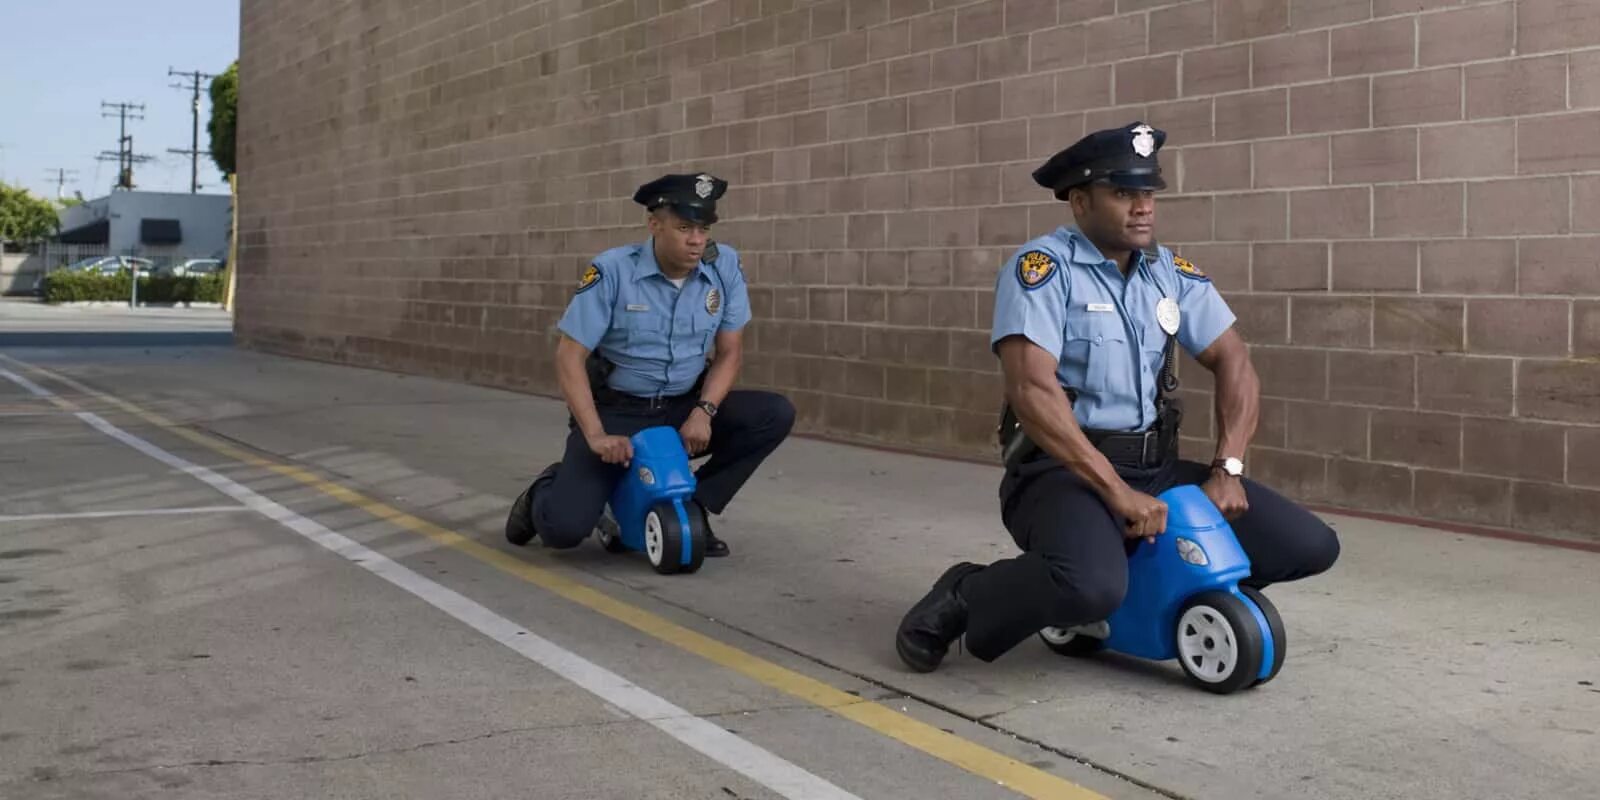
x,y
191,266
103,265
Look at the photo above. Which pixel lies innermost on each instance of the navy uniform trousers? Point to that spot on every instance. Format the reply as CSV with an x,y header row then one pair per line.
x,y
1074,566
748,427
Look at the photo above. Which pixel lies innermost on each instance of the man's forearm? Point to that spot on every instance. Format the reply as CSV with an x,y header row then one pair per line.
x,y
1047,417
574,380
1238,406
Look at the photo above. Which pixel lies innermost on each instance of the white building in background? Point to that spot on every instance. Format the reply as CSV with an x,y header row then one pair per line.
x,y
154,225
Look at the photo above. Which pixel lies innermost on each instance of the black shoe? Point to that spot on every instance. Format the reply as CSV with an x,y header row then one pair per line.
x,y
519,523
715,548
938,619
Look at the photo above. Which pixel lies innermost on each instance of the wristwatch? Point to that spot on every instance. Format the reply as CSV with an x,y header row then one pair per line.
x,y
1230,465
707,406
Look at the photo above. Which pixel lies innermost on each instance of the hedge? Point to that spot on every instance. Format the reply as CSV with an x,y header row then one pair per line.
x,y
69,287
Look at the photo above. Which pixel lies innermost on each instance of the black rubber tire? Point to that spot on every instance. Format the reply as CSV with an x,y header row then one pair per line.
x,y
1078,646
1274,625
1226,609
672,534
609,535
697,535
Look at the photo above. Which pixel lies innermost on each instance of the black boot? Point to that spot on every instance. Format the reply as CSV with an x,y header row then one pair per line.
x,y
519,523
715,548
938,619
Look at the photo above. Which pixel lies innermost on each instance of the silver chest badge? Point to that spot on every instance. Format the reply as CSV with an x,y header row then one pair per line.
x,y
1168,315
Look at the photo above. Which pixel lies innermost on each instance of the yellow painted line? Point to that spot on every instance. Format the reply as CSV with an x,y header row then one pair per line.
x,y
1022,778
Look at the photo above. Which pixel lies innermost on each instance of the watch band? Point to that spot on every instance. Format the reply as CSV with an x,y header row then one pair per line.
x,y
707,406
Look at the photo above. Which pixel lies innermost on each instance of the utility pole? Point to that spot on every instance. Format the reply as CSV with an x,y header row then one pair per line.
x,y
194,152
61,179
124,155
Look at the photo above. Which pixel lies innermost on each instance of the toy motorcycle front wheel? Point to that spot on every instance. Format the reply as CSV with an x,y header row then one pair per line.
x,y
1274,627
1219,642
664,537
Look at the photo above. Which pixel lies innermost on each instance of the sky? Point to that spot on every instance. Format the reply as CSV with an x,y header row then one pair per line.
x,y
59,60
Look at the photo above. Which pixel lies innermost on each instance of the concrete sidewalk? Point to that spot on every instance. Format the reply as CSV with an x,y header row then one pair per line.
x,y
1427,664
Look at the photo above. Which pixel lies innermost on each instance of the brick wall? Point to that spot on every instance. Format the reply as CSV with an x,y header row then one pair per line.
x,y
1401,199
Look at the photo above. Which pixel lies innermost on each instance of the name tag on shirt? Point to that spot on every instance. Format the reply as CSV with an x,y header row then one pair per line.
x,y
638,307
1100,307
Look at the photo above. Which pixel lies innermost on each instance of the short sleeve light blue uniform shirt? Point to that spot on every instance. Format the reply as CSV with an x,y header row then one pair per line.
x,y
657,334
1063,295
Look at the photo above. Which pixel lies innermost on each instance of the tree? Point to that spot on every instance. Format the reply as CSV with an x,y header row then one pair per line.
x,y
224,118
25,218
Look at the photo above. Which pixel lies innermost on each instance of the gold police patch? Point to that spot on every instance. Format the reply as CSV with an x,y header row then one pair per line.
x,y
1035,269
1188,269
713,301
591,276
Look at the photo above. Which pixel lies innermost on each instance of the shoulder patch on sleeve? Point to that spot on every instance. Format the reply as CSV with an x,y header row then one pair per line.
x,y
1188,269
591,276
1035,268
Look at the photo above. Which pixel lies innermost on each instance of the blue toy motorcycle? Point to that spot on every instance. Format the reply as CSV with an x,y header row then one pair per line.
x,y
1184,601
651,508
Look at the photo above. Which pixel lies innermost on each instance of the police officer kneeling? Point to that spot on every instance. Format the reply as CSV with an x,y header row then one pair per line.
x,y
1084,324
651,313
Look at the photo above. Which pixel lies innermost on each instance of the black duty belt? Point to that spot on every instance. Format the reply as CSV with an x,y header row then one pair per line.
x,y
1137,449
607,397
1144,449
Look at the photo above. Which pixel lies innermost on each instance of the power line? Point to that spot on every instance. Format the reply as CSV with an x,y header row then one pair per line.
x,y
194,152
124,154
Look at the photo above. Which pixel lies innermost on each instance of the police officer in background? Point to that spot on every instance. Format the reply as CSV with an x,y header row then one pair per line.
x,y
652,313
1084,324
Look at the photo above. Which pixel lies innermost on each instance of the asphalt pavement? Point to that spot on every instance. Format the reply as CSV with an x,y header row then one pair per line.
x,y
230,574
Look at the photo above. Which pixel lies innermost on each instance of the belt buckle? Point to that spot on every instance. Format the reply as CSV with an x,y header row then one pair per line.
x,y
1145,457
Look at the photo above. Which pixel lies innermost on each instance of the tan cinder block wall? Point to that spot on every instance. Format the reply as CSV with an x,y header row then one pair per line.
x,y
1400,198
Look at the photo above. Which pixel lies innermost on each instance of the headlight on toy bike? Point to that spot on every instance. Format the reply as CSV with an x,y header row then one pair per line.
x,y
1192,552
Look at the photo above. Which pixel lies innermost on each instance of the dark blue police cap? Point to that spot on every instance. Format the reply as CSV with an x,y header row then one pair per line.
x,y
693,197
1122,156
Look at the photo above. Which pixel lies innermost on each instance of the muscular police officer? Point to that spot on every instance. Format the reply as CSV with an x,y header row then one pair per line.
x,y
1083,324
653,312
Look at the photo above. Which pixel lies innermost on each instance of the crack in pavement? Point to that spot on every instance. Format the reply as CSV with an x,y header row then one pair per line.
x,y
328,759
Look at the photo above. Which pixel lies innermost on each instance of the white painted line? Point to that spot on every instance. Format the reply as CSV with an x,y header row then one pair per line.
x,y
132,512
35,389
754,762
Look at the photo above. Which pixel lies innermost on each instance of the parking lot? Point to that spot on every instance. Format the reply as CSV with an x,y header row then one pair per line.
x,y
227,574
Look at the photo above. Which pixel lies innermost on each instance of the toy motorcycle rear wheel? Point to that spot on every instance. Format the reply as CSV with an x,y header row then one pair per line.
x,y
609,534
664,536
1274,626
1219,642
1068,643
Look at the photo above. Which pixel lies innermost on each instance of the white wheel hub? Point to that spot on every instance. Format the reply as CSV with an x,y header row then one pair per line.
x,y
1057,636
653,537
1207,645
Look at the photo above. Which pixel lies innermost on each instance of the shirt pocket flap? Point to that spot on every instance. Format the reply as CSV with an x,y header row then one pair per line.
x,y
1096,327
